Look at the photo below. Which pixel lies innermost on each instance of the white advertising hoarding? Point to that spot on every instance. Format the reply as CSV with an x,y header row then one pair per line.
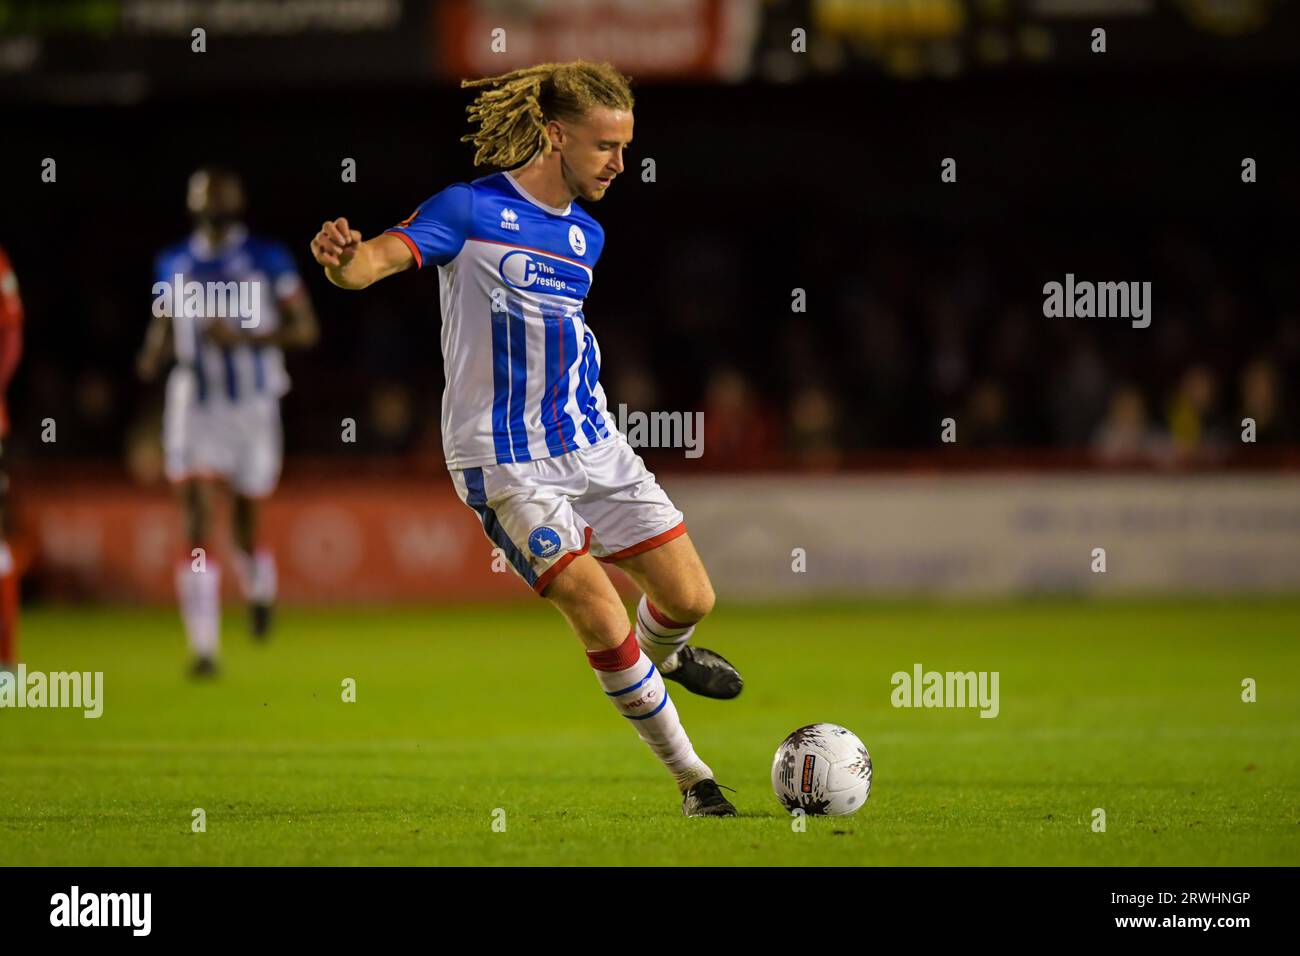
x,y
994,535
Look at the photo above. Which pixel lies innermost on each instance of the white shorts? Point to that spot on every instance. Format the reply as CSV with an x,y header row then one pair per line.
x,y
543,514
240,444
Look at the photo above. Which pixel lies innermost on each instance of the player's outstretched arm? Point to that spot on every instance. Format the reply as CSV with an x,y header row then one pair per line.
x,y
350,263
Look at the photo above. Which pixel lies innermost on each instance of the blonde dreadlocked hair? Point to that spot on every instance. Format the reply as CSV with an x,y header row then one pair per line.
x,y
513,111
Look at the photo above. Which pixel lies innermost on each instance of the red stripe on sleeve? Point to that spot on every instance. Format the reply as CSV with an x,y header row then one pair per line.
x,y
410,244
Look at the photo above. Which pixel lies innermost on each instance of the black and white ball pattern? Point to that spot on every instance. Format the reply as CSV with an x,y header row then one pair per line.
x,y
823,770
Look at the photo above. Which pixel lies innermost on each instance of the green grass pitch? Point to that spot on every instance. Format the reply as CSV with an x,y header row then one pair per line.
x,y
1134,707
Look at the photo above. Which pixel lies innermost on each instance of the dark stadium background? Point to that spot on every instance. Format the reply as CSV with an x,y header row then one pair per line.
x,y
924,299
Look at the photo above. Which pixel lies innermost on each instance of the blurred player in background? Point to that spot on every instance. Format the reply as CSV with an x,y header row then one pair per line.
x,y
526,430
221,420
11,349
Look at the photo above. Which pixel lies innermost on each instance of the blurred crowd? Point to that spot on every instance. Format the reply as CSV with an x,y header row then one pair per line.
x,y
915,333
825,313
915,336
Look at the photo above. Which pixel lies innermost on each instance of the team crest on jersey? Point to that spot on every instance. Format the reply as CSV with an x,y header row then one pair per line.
x,y
544,542
509,219
577,241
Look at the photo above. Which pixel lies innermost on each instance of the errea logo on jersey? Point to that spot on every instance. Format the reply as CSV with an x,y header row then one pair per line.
x,y
509,219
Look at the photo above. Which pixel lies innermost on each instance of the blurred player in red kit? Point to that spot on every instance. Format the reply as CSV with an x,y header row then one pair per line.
x,y
11,349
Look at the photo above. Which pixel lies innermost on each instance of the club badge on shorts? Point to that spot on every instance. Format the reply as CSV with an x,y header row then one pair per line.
x,y
544,542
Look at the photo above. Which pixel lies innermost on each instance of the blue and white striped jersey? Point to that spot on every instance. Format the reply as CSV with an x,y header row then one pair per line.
x,y
226,274
521,364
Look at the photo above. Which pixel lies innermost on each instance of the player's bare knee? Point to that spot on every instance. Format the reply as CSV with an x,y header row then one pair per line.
x,y
609,627
596,622
705,599
690,605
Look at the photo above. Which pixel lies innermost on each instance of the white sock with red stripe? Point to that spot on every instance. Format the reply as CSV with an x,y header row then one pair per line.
x,y
633,684
257,577
199,592
659,635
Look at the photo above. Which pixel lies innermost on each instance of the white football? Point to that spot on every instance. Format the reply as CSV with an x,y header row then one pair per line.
x,y
823,770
